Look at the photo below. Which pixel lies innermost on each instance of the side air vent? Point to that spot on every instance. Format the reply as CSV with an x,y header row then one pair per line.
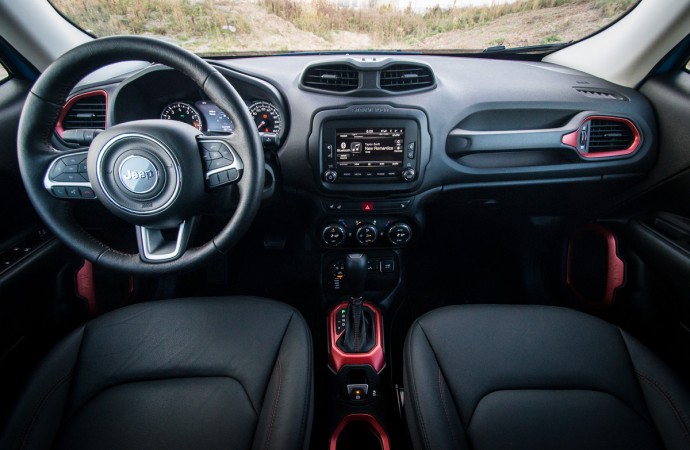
x,y
601,136
84,111
406,77
600,94
334,77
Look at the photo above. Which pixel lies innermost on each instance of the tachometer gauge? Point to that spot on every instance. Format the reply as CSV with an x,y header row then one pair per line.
x,y
266,117
182,112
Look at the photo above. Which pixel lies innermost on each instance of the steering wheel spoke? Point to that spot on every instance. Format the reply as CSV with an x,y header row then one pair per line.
x,y
162,245
222,164
67,177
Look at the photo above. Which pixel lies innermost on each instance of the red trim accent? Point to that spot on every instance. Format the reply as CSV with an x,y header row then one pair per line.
x,y
74,99
337,358
615,271
86,288
370,420
570,139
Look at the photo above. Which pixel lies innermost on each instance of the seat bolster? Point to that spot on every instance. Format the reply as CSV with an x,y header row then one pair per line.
x,y
431,414
286,414
667,398
35,420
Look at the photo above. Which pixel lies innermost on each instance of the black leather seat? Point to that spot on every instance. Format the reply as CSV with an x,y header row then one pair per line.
x,y
212,373
533,377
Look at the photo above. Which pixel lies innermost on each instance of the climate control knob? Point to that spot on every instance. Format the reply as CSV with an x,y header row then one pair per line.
x,y
330,176
409,174
333,235
399,234
366,234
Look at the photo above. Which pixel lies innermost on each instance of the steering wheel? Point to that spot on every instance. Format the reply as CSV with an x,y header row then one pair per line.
x,y
155,174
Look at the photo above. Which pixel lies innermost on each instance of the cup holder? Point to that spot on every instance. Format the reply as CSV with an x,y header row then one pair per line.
x,y
359,432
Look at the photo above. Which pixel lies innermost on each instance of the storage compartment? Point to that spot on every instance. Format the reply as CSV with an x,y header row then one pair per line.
x,y
359,432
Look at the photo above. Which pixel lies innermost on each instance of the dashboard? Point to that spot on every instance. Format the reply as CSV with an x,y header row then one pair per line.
x,y
370,138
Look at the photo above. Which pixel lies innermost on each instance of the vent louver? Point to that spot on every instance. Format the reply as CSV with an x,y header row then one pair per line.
x,y
609,135
86,111
334,77
406,77
600,94
604,136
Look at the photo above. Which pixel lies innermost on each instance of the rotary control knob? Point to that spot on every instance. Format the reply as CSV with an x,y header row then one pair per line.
x,y
399,234
330,176
366,234
409,174
333,235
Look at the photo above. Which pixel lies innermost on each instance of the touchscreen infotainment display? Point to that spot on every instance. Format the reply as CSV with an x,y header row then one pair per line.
x,y
369,147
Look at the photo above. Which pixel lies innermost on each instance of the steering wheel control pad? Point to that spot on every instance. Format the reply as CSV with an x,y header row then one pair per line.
x,y
148,172
221,162
67,177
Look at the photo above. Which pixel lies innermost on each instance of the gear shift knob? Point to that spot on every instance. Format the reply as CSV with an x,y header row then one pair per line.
x,y
356,273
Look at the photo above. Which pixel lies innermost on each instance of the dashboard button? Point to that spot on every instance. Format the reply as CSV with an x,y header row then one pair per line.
x,y
411,150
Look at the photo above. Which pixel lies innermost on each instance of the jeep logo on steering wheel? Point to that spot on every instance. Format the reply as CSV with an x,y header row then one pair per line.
x,y
138,174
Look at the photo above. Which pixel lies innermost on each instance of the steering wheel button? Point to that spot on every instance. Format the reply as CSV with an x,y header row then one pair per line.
x,y
74,160
85,176
218,163
69,178
71,169
213,180
82,167
86,193
215,155
59,191
227,154
73,191
58,169
233,174
211,146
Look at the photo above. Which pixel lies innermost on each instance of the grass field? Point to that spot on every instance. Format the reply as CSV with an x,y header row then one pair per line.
x,y
227,26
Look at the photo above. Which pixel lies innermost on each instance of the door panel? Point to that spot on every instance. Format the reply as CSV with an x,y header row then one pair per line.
x,y
37,300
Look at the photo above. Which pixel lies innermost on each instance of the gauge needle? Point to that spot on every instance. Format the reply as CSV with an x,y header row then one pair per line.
x,y
263,122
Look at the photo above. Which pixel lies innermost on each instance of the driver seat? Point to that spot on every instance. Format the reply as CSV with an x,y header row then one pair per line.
x,y
209,373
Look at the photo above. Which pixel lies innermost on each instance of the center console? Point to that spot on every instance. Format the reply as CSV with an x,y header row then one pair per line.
x,y
368,160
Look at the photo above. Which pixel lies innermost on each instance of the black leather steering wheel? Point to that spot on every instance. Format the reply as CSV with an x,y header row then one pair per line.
x,y
155,174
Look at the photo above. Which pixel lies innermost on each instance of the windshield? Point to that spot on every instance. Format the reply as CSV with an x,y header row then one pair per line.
x,y
432,26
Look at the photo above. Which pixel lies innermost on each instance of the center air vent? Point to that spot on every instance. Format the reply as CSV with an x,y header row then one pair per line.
x,y
406,77
602,136
334,77
84,111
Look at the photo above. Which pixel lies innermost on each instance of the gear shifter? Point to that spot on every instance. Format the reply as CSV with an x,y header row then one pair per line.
x,y
359,335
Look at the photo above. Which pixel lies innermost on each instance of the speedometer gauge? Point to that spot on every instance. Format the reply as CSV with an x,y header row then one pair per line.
x,y
266,117
182,112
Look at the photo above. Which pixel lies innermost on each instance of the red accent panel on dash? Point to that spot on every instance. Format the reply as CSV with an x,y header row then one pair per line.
x,y
369,420
337,358
72,100
570,139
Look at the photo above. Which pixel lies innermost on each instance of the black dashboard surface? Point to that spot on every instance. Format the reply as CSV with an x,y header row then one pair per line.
x,y
483,122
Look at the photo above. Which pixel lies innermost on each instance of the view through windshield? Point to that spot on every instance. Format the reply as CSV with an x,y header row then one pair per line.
x,y
240,26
